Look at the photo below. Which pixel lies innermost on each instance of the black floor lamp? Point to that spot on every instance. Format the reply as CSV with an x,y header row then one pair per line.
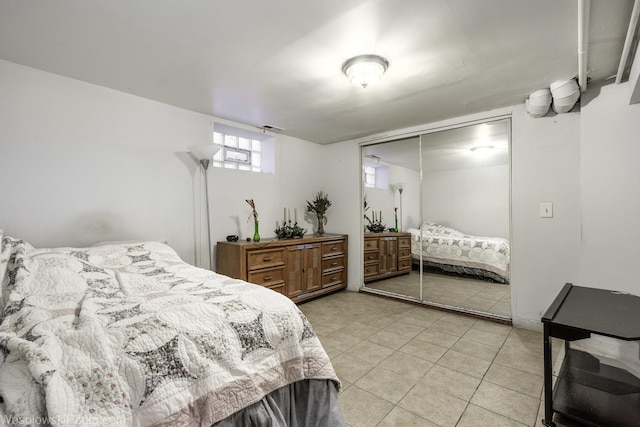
x,y
204,154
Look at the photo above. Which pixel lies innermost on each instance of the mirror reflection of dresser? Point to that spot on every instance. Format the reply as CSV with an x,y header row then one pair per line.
x,y
386,254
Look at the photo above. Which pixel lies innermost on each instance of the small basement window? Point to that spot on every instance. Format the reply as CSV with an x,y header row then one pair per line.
x,y
243,149
369,176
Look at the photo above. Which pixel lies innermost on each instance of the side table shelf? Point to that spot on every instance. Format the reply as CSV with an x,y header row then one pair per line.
x,y
596,393
587,390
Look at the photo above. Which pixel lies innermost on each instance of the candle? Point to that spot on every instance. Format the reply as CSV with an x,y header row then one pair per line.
x,y
295,213
380,216
289,212
284,217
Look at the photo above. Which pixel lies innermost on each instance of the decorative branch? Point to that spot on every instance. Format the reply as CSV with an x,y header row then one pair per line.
x,y
253,207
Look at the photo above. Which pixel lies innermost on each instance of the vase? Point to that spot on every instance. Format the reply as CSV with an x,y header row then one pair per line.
x,y
256,234
320,224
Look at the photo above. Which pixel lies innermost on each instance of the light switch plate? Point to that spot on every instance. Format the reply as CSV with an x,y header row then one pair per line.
x,y
546,210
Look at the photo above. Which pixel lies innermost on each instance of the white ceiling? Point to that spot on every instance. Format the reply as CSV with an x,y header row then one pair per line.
x,y
279,62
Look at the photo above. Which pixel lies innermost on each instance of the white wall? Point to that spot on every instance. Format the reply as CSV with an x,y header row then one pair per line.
x,y
410,181
545,160
474,201
586,164
610,182
341,172
385,200
81,163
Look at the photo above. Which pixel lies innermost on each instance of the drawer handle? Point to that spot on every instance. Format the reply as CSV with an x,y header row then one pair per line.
x,y
333,279
267,278
267,259
334,248
334,263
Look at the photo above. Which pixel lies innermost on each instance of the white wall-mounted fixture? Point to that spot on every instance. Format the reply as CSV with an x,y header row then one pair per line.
x,y
365,70
565,95
538,103
204,154
546,210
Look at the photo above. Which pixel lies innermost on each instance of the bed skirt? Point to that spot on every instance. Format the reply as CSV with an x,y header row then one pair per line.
x,y
312,403
476,273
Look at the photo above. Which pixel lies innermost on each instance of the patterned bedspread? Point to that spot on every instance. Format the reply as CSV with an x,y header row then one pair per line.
x,y
129,334
447,246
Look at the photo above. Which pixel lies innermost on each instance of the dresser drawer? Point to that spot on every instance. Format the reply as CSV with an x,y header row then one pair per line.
x,y
370,244
403,253
265,258
370,257
404,264
332,279
371,270
267,277
404,242
332,248
332,263
280,288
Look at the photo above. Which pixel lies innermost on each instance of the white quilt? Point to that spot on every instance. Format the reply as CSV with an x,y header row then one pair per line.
x,y
447,246
129,334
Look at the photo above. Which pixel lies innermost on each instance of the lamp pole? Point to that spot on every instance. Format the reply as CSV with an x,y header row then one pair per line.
x,y
204,154
205,166
400,190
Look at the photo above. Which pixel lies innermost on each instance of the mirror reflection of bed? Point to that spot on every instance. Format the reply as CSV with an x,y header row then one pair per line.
x,y
457,216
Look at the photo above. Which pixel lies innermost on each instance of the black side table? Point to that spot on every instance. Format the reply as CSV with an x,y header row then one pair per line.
x,y
586,390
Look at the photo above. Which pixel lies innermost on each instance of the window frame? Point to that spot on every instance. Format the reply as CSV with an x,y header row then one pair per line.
x,y
242,145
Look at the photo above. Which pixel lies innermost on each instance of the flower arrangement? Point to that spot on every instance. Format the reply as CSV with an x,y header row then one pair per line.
x,y
288,231
319,206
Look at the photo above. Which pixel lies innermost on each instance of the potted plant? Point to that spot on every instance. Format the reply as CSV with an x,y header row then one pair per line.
x,y
319,206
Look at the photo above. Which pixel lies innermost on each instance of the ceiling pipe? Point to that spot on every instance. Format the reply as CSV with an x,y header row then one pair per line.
x,y
584,11
633,22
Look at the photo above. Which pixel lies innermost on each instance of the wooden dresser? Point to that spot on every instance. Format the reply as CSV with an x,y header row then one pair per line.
x,y
386,254
298,268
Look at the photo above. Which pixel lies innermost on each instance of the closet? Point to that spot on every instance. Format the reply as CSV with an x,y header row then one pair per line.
x,y
447,193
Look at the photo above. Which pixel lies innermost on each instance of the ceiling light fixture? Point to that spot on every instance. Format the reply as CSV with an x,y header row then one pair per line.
x,y
365,70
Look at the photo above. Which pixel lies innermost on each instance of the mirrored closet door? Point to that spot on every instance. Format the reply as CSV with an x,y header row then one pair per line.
x,y
450,193
391,205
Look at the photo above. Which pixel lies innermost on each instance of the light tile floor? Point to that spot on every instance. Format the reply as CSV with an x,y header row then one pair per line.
x,y
403,364
473,294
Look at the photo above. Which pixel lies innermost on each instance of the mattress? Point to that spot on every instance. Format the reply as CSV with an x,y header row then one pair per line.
x,y
452,250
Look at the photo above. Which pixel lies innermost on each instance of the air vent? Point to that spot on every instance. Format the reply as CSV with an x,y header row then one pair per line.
x,y
272,128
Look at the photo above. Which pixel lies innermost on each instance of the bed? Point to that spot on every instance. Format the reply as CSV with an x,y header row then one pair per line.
x,y
452,251
129,334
